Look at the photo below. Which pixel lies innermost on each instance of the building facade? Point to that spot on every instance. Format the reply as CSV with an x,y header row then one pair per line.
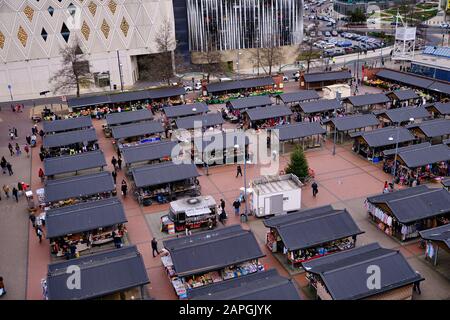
x,y
112,34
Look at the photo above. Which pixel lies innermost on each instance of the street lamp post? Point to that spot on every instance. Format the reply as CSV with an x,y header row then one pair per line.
x,y
239,64
338,98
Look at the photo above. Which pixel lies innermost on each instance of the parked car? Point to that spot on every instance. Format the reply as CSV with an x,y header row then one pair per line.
x,y
334,33
327,34
348,50
187,88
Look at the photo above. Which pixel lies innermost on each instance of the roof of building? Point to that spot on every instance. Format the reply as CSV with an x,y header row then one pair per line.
x,y
185,110
381,137
299,130
446,182
83,217
137,129
320,105
403,95
77,162
423,156
327,76
66,124
299,96
406,78
250,102
392,151
102,274
264,285
269,112
433,128
147,151
441,233
368,99
310,228
404,114
125,117
78,186
165,172
212,250
414,204
206,120
239,84
354,122
440,87
442,108
63,139
345,273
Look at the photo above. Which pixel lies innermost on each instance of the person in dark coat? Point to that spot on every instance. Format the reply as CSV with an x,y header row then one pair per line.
x,y
114,162
11,149
114,175
154,247
9,167
15,194
315,188
119,163
124,188
41,134
236,205
33,220
238,171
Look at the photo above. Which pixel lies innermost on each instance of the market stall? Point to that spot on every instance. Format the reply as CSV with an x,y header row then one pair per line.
x,y
237,106
118,274
403,213
147,153
79,163
446,183
436,238
123,118
318,80
266,117
389,155
439,109
344,275
306,134
342,126
320,109
434,131
367,102
75,230
404,98
208,120
294,98
185,110
402,115
57,126
70,143
220,255
67,191
312,233
165,181
136,133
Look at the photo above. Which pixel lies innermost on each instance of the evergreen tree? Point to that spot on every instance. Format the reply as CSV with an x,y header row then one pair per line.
x,y
298,164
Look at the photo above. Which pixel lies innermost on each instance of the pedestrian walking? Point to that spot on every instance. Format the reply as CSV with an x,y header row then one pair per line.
x,y
27,150
11,135
238,171
9,167
315,188
416,286
41,156
2,287
114,162
3,164
11,149
237,206
41,174
6,190
154,247
15,194
28,139
41,134
33,220
39,233
124,188
15,132
18,152
114,175
119,163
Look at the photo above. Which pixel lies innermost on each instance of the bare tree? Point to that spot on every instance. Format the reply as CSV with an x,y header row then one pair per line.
x,y
213,63
75,70
270,53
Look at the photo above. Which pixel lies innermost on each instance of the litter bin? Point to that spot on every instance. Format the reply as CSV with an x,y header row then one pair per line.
x,y
244,217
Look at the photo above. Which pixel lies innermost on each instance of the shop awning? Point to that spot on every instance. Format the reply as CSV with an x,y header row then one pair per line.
x,y
84,217
320,105
403,95
269,112
299,130
368,99
414,204
166,172
299,96
83,102
433,128
222,140
185,110
404,114
354,122
391,152
77,162
310,228
264,285
441,233
64,139
101,274
78,186
425,156
137,129
440,87
147,151
442,108
117,118
327,76
212,250
380,137
250,102
345,273
406,78
66,124
204,121
239,84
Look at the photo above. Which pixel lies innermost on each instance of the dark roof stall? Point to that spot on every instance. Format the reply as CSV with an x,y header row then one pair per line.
x,y
404,114
354,122
161,173
68,138
345,273
442,108
83,102
212,250
239,84
404,95
250,102
147,151
185,110
299,96
441,233
368,99
320,105
423,156
84,217
270,112
299,130
432,128
137,129
406,78
440,87
327,76
312,227
66,124
265,285
392,152
381,137
117,118
74,163
78,186
102,274
206,120
414,204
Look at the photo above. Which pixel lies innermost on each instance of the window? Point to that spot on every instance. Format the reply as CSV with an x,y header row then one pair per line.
x,y
65,32
51,10
44,34
72,9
